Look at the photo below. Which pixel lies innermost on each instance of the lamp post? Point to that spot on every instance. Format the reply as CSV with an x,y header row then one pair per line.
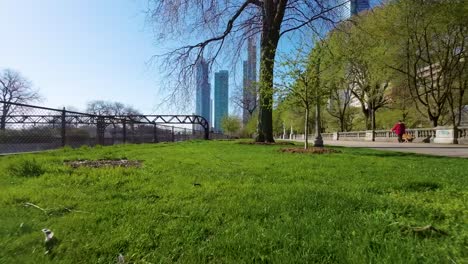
x,y
318,142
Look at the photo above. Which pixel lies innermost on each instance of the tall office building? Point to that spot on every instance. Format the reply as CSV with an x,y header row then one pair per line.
x,y
221,95
350,8
354,7
203,90
249,99
357,6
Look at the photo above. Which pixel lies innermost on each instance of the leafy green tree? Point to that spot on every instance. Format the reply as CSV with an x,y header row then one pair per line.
x,y
300,83
231,124
429,47
336,78
249,129
226,25
360,65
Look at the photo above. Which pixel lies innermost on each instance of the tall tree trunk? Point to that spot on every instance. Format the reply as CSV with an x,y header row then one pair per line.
x,y
366,113
318,142
342,122
2,122
434,119
3,118
306,128
373,123
367,117
268,45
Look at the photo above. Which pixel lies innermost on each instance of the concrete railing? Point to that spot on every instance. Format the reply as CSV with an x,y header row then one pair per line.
x,y
426,135
463,133
353,135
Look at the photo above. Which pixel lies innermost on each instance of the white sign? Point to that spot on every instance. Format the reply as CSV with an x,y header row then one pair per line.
x,y
444,135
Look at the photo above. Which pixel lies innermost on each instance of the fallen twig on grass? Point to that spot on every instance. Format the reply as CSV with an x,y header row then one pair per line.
x,y
47,211
424,230
35,206
227,161
76,211
428,228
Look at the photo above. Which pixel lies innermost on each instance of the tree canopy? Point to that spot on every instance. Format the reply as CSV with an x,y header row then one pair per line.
x,y
224,26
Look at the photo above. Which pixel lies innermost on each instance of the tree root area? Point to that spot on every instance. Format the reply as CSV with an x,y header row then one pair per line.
x,y
267,143
123,163
310,150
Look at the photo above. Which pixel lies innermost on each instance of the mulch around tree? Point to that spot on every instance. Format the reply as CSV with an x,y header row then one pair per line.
x,y
123,163
267,143
310,150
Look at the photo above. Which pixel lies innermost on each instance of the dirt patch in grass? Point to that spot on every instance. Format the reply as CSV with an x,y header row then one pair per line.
x,y
267,143
424,186
103,163
310,150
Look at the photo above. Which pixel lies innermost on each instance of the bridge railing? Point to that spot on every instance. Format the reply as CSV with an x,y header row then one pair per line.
x,y
463,133
419,135
26,128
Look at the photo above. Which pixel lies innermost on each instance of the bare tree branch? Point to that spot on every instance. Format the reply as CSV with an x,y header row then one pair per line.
x,y
14,88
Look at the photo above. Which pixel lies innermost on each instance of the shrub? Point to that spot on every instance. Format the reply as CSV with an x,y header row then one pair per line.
x,y
26,168
67,148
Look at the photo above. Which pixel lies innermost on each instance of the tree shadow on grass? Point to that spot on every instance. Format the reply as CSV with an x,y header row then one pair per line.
x,y
360,151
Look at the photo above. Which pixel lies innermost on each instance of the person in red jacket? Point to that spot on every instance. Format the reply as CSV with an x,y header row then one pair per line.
x,y
399,129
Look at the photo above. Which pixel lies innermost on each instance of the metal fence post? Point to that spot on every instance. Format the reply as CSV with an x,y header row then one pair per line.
x,y
173,136
100,130
207,133
132,129
63,128
124,130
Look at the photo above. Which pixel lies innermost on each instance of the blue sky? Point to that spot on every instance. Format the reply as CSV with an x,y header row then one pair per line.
x,y
76,51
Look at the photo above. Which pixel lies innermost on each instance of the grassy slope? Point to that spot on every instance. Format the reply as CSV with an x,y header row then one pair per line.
x,y
254,204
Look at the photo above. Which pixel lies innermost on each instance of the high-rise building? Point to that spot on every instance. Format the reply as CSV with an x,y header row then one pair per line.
x,y
203,90
249,100
357,6
221,96
350,8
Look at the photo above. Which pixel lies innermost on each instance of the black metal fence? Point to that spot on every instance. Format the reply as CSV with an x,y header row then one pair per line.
x,y
26,128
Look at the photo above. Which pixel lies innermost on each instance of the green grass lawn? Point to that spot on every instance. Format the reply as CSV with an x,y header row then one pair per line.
x,y
249,204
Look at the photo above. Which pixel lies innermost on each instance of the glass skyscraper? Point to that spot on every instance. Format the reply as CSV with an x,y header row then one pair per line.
x,y
203,91
352,7
358,6
221,98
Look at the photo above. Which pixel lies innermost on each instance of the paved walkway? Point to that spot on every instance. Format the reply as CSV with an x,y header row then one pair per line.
x,y
420,148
